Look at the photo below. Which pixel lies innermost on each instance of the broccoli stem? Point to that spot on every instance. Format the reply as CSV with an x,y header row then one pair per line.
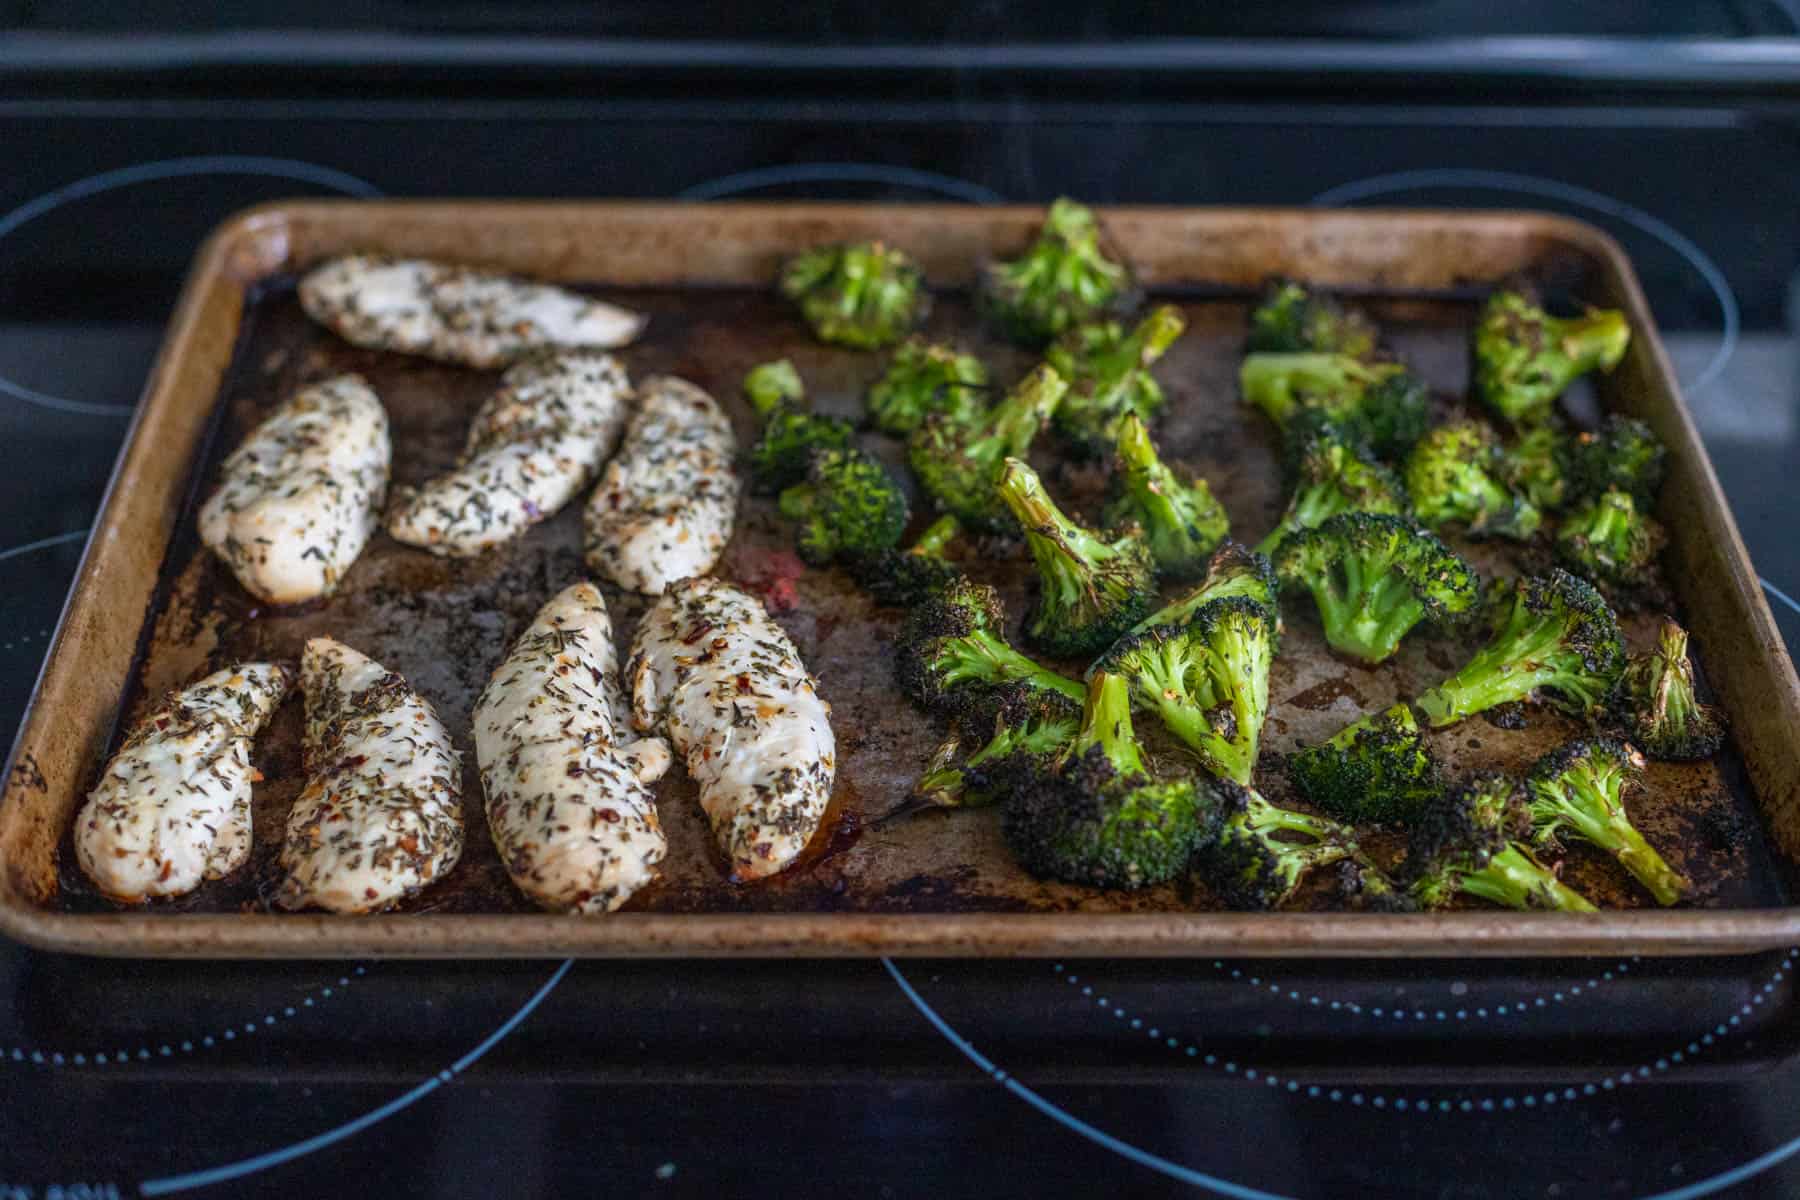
x,y
1067,555
984,658
1195,730
937,537
942,783
1596,339
1612,831
1515,879
1155,334
1106,723
1312,506
1023,412
1265,817
1500,673
1274,382
1367,618
1146,477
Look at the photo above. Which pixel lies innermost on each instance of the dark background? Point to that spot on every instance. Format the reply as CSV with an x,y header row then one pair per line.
x,y
1675,128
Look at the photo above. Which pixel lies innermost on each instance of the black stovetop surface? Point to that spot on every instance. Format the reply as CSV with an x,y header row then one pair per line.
x,y
1627,1078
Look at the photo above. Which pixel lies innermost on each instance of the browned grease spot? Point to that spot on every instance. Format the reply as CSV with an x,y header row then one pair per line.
x,y
1322,695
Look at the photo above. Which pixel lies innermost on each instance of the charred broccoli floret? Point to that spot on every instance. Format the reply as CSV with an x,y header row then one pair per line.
x,y
1579,791
1374,577
1553,632
924,378
865,295
1622,454
1370,772
1525,358
1609,541
1019,721
1535,466
848,506
1381,403
1109,376
1182,523
907,577
1100,819
1233,570
1468,841
1207,678
1063,279
953,651
1293,319
1251,861
1656,702
959,460
791,435
1332,474
1090,589
1453,476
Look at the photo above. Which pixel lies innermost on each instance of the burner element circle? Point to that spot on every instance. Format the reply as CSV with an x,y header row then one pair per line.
x,y
151,172
762,178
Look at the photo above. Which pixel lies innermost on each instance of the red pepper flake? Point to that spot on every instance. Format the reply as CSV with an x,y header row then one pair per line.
x,y
744,685
608,815
699,630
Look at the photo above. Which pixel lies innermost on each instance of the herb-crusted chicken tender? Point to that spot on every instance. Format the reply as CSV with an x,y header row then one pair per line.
x,y
300,496
457,314
533,446
380,818
569,807
172,808
666,503
713,672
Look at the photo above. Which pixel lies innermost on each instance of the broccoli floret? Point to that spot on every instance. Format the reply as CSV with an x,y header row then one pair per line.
x,y
1525,358
959,460
1233,570
1100,819
1207,678
1553,632
1535,466
1090,589
1332,474
1250,860
1374,577
1453,477
773,385
905,577
790,434
1373,771
1381,403
1609,541
1656,703
924,378
1468,842
865,295
849,505
1109,377
1579,790
1622,454
953,651
1182,523
1018,721
1291,319
1063,279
